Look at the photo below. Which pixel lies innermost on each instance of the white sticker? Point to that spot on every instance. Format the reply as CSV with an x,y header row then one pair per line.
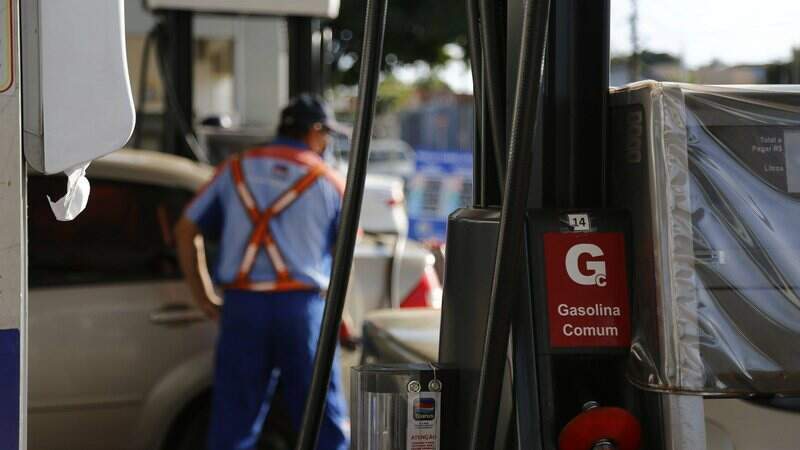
x,y
422,430
579,222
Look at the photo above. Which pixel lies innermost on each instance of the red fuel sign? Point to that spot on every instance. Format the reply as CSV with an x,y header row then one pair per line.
x,y
587,290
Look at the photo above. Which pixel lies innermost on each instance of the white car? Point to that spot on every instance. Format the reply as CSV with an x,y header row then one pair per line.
x,y
412,336
386,157
119,357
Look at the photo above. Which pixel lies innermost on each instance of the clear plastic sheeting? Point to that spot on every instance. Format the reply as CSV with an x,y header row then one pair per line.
x,y
711,176
402,407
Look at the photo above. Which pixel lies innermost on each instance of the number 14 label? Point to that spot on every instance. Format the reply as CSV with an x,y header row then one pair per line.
x,y
579,222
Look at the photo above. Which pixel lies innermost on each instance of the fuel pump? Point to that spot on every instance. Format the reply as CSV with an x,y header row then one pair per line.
x,y
709,174
626,253
554,41
581,312
570,317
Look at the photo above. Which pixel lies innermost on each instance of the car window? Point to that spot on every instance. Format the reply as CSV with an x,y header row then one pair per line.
x,y
125,234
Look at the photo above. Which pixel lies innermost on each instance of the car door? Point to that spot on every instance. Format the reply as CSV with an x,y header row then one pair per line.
x,y
109,316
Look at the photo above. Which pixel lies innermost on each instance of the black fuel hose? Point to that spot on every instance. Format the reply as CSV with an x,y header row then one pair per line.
x,y
494,62
507,271
173,104
372,50
475,51
476,63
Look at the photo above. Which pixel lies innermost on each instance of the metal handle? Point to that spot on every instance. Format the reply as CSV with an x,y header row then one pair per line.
x,y
176,314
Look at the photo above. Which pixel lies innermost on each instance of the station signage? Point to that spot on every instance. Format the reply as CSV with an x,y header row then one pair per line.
x,y
587,290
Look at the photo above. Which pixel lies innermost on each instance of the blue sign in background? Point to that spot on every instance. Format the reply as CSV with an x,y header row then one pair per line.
x,y
441,184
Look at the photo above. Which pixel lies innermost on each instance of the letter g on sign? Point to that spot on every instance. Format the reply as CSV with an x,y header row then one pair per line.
x,y
595,271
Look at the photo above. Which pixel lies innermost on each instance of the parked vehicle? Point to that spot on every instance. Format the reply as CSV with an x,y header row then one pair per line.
x,y
386,157
119,357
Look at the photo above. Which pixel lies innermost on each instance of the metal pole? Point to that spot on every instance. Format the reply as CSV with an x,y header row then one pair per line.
x,y
575,104
13,239
635,66
179,53
371,56
305,63
507,277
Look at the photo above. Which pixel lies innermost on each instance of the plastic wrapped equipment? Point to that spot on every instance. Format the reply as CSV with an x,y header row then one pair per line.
x,y
711,176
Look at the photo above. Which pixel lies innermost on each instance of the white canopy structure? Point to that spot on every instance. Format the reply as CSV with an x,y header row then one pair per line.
x,y
315,8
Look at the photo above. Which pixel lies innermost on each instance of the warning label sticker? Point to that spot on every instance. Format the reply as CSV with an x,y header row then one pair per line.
x,y
422,430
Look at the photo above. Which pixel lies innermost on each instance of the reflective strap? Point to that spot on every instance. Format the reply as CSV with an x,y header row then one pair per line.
x,y
292,285
336,180
261,232
297,189
247,199
285,201
247,262
289,154
304,158
245,196
270,286
275,256
262,286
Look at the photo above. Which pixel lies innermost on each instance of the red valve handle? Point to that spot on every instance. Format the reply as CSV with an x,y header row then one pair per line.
x,y
590,427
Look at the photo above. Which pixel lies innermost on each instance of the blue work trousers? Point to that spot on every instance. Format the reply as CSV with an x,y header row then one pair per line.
x,y
265,338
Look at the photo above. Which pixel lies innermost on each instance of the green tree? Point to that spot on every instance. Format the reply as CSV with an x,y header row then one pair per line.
x,y
393,94
415,31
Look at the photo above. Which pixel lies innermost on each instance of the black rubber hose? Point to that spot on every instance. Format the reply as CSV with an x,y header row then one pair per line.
x,y
494,60
506,282
371,52
476,63
172,103
475,50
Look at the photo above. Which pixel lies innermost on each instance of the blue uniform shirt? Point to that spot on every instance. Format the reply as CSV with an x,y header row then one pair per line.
x,y
304,232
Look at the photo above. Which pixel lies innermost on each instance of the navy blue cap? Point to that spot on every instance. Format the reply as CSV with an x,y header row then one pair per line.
x,y
307,110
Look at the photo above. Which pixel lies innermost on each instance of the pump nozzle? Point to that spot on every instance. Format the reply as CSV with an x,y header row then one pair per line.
x,y
601,428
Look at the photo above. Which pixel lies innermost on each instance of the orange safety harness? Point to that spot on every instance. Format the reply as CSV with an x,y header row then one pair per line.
x,y
261,235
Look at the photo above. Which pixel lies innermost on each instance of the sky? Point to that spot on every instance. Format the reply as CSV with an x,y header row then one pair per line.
x,y
732,31
455,72
699,31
